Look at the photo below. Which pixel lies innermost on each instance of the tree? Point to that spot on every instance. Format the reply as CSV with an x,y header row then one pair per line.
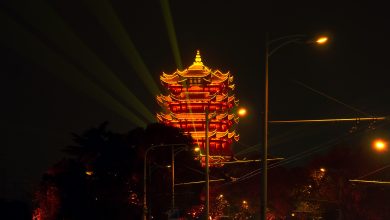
x,y
103,178
329,194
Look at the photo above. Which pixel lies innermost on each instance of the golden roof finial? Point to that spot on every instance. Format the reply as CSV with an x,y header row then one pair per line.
x,y
198,59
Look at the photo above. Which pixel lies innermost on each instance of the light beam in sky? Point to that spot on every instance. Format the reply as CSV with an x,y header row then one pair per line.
x,y
29,46
57,31
107,17
171,32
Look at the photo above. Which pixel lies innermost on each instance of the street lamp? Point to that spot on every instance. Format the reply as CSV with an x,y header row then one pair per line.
x,y
283,41
241,112
380,145
322,40
145,205
208,117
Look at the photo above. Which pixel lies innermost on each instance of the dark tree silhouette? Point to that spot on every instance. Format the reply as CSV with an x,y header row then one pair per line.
x,y
14,210
103,178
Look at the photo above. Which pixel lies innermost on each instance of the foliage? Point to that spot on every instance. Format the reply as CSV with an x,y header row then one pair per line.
x,y
103,178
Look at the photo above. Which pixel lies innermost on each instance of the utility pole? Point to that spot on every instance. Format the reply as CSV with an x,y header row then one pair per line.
x,y
145,205
173,178
207,165
263,201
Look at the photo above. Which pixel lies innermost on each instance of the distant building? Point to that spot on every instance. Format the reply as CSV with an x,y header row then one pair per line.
x,y
189,93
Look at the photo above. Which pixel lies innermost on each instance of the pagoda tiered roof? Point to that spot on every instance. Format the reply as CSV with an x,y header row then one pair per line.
x,y
214,134
189,93
184,98
197,73
195,117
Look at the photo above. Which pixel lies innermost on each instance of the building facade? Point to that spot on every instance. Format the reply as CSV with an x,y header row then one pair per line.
x,y
189,93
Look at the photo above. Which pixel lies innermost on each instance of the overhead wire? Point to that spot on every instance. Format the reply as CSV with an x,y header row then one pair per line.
x,y
293,158
331,98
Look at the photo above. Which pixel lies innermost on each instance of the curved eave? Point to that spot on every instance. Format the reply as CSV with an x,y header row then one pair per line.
x,y
229,99
234,135
167,117
236,102
170,76
177,79
164,98
223,98
232,117
201,134
198,66
220,75
216,80
214,134
167,80
194,71
237,137
236,120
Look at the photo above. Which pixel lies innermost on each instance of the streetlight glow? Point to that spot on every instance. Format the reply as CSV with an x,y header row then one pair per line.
x,y
380,145
241,112
322,40
268,52
322,169
197,149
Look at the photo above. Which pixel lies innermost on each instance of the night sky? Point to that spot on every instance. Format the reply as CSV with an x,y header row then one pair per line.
x,y
43,102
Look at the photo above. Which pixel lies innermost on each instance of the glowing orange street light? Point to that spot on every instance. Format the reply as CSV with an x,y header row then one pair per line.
x,y
322,169
380,145
241,112
322,40
271,48
197,149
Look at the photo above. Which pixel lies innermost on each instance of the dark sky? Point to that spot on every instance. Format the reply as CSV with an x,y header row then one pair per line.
x,y
40,110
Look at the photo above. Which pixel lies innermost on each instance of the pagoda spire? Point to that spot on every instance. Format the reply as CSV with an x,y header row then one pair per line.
x,y
198,59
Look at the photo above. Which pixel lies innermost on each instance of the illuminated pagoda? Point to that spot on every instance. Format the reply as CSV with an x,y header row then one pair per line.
x,y
189,93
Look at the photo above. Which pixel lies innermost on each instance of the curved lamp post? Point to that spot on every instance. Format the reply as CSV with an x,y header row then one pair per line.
x,y
208,118
282,41
145,205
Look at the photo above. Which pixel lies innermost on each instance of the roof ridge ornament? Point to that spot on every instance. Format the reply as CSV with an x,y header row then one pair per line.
x,y
198,59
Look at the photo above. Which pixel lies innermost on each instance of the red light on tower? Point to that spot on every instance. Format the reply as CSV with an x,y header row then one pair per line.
x,y
190,92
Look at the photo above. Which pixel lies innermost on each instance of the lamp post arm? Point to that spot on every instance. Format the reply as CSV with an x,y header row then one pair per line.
x,y
285,37
145,206
295,40
207,142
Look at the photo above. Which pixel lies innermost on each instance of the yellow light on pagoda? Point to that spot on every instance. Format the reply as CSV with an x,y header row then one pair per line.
x,y
197,149
380,145
322,40
241,112
89,173
322,169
